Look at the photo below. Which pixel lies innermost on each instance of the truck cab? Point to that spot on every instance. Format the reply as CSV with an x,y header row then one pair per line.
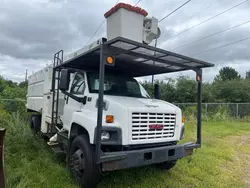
x,y
131,115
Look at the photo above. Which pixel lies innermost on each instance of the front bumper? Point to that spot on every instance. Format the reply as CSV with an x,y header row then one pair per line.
x,y
136,158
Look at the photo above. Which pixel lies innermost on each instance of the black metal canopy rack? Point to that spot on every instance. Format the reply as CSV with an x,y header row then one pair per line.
x,y
134,59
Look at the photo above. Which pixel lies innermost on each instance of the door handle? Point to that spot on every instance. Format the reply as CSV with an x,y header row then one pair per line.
x,y
66,98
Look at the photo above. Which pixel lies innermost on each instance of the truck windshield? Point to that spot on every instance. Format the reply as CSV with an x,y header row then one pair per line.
x,y
119,85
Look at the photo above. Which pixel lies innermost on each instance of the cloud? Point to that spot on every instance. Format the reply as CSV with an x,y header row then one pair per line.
x,y
14,69
32,31
235,53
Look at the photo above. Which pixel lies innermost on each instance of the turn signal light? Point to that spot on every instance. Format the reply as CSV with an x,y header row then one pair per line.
x,y
110,60
182,119
198,78
109,118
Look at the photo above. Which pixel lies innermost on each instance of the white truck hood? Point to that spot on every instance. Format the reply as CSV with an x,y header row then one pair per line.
x,y
130,114
139,103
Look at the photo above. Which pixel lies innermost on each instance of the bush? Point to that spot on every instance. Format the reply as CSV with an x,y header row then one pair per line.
x,y
221,112
246,118
190,113
4,117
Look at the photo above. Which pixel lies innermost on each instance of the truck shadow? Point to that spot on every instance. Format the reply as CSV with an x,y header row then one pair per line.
x,y
148,176
129,178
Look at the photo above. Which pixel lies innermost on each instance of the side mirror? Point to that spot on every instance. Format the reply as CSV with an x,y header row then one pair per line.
x,y
157,91
64,80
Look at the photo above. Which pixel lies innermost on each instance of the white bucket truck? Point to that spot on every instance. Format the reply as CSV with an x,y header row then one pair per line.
x,y
91,108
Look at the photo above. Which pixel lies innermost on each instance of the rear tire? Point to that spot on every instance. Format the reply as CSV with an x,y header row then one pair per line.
x,y
35,124
167,165
82,166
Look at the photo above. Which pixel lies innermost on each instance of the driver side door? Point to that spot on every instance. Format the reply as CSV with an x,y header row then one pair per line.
x,y
77,88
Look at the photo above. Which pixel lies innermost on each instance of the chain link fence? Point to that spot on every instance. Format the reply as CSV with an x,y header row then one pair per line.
x,y
237,110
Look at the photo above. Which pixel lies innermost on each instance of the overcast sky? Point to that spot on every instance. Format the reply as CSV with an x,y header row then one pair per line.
x,y
31,31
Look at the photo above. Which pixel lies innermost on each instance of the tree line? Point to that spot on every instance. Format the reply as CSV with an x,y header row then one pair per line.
x,y
228,86
12,90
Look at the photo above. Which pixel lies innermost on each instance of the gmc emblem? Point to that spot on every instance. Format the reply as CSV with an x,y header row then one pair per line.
x,y
156,126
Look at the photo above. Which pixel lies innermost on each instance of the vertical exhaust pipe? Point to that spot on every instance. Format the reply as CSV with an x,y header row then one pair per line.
x,y
157,91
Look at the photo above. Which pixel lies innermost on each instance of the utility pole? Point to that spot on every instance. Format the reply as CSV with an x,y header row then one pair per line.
x,y
26,74
154,62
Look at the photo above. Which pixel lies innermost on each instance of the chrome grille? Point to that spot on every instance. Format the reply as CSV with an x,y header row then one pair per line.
x,y
142,120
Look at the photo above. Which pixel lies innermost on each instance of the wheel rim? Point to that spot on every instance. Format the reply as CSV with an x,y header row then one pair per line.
x,y
77,163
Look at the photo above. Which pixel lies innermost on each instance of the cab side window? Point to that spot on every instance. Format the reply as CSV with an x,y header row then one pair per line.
x,y
78,85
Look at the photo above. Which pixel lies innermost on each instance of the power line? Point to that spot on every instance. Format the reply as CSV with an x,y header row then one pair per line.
x,y
206,20
201,10
162,20
95,32
222,46
174,10
211,35
97,28
205,8
137,3
172,13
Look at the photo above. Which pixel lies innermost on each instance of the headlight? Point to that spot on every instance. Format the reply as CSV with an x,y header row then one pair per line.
x,y
105,135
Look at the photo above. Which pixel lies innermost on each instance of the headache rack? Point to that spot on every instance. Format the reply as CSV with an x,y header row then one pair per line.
x,y
134,59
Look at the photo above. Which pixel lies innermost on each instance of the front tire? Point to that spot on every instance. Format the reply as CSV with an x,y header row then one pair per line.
x,y
81,163
35,124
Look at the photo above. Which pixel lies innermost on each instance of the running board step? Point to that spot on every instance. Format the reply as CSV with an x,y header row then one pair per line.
x,y
57,150
62,137
55,146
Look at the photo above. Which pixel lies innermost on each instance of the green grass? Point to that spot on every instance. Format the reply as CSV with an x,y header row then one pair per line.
x,y
30,163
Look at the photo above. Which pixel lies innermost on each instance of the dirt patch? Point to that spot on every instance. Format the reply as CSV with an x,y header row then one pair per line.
x,y
241,158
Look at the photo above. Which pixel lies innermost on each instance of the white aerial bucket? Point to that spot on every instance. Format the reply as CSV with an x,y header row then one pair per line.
x,y
124,20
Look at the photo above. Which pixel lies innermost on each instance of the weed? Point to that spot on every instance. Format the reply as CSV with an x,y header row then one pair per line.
x,y
29,162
